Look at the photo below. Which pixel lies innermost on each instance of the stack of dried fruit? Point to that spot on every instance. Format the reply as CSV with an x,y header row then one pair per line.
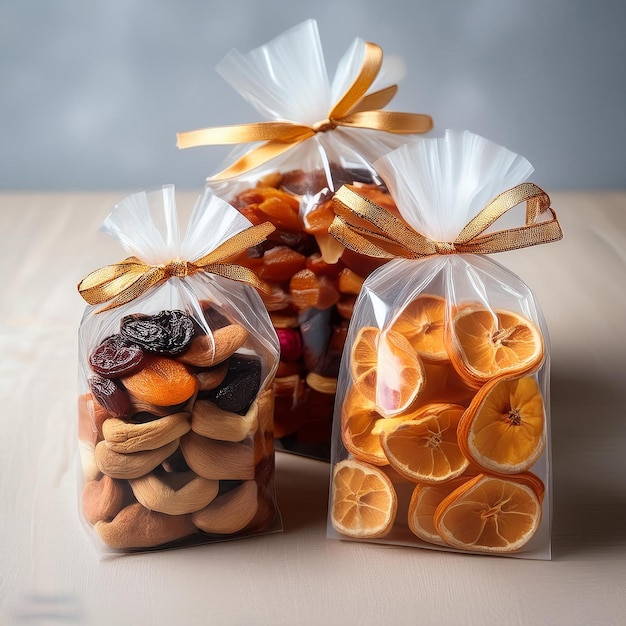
x,y
446,402
176,435
314,284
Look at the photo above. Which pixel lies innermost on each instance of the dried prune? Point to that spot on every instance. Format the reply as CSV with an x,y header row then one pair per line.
x,y
110,395
115,357
240,386
167,332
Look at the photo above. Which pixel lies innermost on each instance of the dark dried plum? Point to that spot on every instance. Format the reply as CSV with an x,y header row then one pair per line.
x,y
167,332
240,386
110,395
115,357
214,318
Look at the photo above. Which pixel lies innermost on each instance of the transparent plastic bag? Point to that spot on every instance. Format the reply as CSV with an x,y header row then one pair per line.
x,y
176,400
290,182
442,416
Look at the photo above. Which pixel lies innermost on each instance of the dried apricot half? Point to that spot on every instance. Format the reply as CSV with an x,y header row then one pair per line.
x,y
504,428
484,343
363,500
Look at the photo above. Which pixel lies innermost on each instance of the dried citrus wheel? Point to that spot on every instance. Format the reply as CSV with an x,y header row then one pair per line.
x,y
489,514
422,323
445,384
504,428
424,502
363,500
483,344
360,427
386,370
426,449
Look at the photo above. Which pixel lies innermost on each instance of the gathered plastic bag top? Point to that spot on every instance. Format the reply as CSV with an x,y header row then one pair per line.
x,y
320,131
442,398
176,360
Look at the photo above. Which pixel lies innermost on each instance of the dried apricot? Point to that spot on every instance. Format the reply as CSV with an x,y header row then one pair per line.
x,y
162,381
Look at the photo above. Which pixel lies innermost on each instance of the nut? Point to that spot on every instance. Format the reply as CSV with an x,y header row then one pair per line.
x,y
138,527
230,512
218,460
126,437
102,499
206,351
176,493
210,421
118,465
212,378
91,471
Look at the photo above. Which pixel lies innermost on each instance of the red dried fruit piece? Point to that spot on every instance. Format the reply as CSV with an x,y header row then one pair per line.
x,y
162,382
115,357
110,395
281,263
290,344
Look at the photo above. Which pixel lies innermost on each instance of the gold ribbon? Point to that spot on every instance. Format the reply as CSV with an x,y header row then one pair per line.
x,y
122,282
364,227
355,109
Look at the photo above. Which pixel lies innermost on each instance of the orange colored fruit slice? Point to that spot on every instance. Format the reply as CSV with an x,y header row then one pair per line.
x,y
363,500
386,370
504,428
489,514
484,344
422,323
424,502
426,449
361,425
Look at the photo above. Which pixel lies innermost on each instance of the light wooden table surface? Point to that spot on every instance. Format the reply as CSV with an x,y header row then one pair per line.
x,y
50,573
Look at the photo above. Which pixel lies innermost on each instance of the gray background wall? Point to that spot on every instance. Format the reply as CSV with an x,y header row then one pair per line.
x,y
93,92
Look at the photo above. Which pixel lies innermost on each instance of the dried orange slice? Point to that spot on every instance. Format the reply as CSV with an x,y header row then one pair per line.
x,y
426,449
363,500
483,344
422,323
489,514
504,428
424,502
445,384
386,370
361,425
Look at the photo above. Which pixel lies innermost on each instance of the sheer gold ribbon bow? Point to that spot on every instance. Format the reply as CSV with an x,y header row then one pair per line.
x,y
355,109
122,282
363,226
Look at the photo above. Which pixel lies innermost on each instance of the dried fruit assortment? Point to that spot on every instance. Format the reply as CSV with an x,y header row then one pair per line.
x,y
444,407
176,432
313,283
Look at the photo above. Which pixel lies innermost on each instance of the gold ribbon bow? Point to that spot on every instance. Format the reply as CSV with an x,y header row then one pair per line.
x,y
122,282
355,109
363,226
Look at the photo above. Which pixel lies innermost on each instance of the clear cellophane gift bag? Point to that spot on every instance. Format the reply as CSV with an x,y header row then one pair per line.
x,y
317,135
176,360
442,418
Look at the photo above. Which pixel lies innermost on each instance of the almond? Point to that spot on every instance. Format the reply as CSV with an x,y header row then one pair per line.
x,y
206,350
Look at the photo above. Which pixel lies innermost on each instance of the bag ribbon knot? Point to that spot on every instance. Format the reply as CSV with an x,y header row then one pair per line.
x,y
355,109
122,282
364,227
